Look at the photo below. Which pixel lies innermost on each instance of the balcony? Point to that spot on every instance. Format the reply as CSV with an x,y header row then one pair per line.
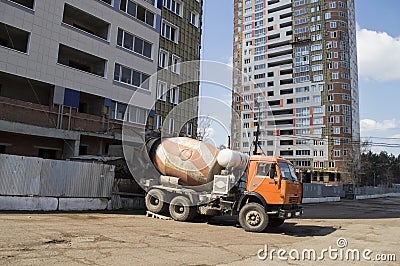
x,y
29,102
81,61
83,21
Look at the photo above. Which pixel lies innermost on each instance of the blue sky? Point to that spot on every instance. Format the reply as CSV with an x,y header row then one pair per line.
x,y
378,55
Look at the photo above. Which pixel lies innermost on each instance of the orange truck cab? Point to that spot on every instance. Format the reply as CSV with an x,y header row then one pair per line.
x,y
273,193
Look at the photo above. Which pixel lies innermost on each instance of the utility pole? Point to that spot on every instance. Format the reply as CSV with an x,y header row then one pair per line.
x,y
257,103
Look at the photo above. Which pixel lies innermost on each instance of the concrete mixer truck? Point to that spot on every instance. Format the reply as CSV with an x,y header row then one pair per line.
x,y
195,177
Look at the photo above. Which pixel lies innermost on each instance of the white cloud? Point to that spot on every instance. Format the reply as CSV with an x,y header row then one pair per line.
x,y
230,61
378,55
368,125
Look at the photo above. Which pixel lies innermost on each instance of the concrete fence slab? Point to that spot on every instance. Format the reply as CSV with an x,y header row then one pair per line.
x,y
28,204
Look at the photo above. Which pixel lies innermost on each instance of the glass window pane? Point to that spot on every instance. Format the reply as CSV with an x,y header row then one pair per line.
x,y
136,78
121,109
123,5
132,8
128,41
141,13
150,18
119,38
138,46
145,81
117,72
126,75
112,111
147,49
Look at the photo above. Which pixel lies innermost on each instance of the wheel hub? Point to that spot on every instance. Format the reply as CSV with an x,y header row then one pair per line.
x,y
253,218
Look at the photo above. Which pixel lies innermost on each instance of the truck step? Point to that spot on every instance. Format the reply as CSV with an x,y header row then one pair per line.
x,y
157,216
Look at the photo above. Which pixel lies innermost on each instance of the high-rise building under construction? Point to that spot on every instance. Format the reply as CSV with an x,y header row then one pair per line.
x,y
296,78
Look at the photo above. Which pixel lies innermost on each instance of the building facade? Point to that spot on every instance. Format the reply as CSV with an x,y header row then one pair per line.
x,y
73,72
297,78
180,41
68,70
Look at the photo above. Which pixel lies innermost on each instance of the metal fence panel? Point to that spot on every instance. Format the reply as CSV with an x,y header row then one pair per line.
x,y
76,179
19,175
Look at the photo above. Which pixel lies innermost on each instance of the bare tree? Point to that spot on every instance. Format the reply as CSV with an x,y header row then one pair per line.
x,y
204,126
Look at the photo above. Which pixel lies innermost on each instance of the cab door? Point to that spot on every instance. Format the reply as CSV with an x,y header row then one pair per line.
x,y
264,181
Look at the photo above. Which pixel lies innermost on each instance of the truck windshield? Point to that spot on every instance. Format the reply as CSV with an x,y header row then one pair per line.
x,y
287,171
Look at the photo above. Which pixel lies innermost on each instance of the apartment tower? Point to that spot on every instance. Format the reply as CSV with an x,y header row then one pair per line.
x,y
297,79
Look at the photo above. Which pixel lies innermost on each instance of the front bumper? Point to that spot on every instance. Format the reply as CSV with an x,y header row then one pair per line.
x,y
294,213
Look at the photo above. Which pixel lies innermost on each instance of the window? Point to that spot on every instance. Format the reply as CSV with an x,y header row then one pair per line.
x,y
169,32
336,153
137,115
302,89
130,76
258,67
117,111
300,12
173,6
317,78
317,110
335,75
176,67
299,3
162,91
163,59
14,38
174,95
137,11
318,121
258,15
303,100
336,130
26,3
158,122
189,129
171,126
317,68
316,57
317,99
302,79
327,15
316,47
194,19
135,44
332,5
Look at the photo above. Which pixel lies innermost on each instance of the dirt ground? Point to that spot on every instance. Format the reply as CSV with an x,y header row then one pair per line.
x,y
133,239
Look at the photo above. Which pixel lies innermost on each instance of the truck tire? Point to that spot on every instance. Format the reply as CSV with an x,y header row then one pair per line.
x,y
252,217
155,201
275,222
180,209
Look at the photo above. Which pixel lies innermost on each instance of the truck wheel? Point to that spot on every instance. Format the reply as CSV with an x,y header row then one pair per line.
x,y
252,217
155,201
275,222
180,209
